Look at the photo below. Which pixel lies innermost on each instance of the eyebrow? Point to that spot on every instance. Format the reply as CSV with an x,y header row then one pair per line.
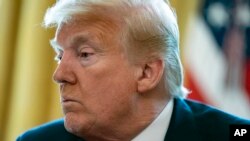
x,y
79,40
74,43
55,46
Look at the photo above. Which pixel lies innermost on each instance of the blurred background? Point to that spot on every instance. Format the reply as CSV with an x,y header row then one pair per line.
x,y
215,49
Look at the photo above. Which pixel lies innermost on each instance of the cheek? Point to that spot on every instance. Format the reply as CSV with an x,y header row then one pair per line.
x,y
103,79
115,102
109,91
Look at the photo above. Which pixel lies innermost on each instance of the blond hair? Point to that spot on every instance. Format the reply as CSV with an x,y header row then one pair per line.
x,y
149,30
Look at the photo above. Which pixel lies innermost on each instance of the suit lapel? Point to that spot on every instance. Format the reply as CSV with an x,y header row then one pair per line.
x,y
182,124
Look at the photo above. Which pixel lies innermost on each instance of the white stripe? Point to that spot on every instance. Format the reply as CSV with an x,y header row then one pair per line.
x,y
206,63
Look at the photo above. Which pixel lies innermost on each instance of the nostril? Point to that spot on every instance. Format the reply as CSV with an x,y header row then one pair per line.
x,y
60,81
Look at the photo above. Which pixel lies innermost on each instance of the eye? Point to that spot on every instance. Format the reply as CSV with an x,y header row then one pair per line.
x,y
59,54
58,57
86,55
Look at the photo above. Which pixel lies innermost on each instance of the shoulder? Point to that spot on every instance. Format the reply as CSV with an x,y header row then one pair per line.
x,y
196,121
208,113
51,131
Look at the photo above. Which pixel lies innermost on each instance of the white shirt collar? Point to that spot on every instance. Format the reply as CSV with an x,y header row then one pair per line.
x,y
157,130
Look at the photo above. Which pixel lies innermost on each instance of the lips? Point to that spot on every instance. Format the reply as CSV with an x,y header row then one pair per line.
x,y
70,105
66,99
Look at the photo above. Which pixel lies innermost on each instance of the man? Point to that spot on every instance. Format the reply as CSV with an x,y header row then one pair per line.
x,y
121,78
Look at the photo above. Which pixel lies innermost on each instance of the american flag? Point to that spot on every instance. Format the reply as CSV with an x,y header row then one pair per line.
x,y
217,55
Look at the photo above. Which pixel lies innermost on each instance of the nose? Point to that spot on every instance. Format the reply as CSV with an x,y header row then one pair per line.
x,y
64,72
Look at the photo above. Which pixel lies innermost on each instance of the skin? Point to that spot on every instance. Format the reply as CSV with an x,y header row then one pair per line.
x,y
104,96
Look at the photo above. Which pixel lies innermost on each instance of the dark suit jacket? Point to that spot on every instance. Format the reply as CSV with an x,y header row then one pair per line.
x,y
190,121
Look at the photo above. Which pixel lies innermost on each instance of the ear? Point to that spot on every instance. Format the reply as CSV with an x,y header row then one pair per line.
x,y
150,75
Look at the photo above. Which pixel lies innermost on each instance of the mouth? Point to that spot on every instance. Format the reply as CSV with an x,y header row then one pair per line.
x,y
68,100
70,105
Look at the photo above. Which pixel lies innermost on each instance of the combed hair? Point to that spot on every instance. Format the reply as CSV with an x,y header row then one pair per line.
x,y
149,31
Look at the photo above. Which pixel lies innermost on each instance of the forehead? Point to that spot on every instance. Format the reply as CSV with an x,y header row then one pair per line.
x,y
90,27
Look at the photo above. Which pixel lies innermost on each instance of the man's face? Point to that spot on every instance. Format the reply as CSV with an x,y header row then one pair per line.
x,y
97,83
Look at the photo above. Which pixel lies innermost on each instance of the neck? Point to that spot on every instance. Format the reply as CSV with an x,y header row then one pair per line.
x,y
143,112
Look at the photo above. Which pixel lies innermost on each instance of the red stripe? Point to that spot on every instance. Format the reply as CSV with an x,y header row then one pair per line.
x,y
247,77
196,92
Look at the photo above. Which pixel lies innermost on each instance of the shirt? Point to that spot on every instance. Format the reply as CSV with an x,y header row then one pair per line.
x,y
157,130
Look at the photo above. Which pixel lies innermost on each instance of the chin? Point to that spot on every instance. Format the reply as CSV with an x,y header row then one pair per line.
x,y
71,123
76,124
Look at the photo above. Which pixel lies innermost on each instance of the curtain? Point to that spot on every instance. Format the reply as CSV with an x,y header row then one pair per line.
x,y
28,95
184,10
